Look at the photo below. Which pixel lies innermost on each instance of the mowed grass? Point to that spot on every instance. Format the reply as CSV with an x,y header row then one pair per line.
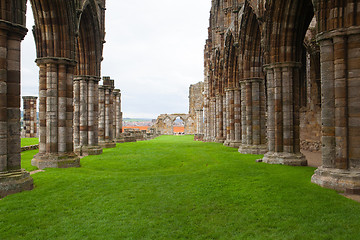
x,y
175,188
29,141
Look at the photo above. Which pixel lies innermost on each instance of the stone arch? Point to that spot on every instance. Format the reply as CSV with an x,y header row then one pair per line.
x,y
175,117
286,23
89,47
189,126
232,91
89,43
252,82
284,29
231,61
55,37
55,28
168,125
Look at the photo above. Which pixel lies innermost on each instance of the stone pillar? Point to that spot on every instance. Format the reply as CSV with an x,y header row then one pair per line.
x,y
230,108
117,114
56,114
224,117
236,141
212,119
340,72
206,119
30,117
253,115
13,179
199,136
105,114
283,114
85,114
219,119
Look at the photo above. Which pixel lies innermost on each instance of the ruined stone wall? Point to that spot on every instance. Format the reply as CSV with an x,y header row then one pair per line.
x,y
196,106
165,123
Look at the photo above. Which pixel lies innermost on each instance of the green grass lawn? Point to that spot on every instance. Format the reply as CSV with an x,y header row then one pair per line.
x,y
175,188
29,141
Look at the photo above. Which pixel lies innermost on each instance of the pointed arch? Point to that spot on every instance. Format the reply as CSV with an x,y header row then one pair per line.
x,y
286,23
250,49
231,62
55,28
89,42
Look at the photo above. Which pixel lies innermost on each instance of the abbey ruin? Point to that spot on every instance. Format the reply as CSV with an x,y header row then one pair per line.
x,y
280,76
193,120
284,75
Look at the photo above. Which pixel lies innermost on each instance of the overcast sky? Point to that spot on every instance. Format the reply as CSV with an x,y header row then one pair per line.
x,y
153,51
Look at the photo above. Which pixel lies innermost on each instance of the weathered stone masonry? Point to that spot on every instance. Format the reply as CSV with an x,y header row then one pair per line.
x,y
12,30
118,115
61,30
289,59
30,117
86,108
106,131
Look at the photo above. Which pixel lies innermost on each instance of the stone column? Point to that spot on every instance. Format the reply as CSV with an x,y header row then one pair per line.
x,y
219,119
253,115
13,179
340,72
199,136
105,114
236,141
206,119
85,112
30,116
230,108
117,114
224,117
212,119
56,114
227,113
283,114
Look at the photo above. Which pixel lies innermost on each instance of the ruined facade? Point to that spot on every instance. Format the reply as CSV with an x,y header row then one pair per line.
x,y
193,123
165,123
30,117
271,67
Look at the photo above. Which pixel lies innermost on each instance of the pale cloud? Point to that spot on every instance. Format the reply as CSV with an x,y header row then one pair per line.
x,y
153,51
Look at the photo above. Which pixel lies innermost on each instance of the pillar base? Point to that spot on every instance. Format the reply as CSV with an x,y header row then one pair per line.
x,y
341,180
253,149
198,137
14,182
88,150
130,139
109,144
291,159
53,160
234,144
220,140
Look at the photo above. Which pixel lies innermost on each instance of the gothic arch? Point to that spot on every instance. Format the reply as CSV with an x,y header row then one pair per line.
x,y
252,84
89,42
286,23
55,28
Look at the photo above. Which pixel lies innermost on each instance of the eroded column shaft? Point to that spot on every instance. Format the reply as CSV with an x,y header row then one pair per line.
x,y
30,116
